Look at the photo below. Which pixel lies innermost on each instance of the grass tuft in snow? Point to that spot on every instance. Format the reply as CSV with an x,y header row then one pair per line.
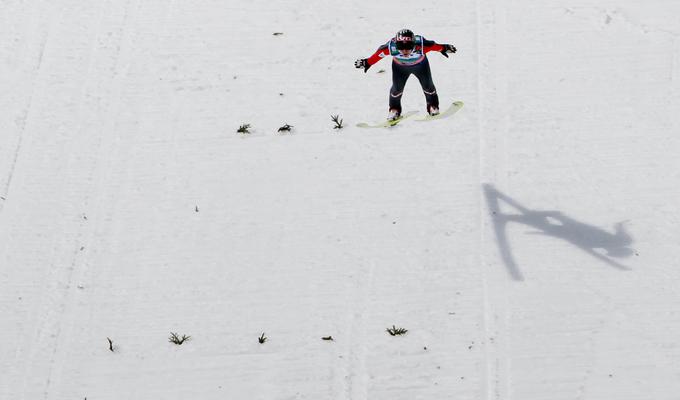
x,y
174,338
110,344
245,128
394,331
337,120
285,128
262,338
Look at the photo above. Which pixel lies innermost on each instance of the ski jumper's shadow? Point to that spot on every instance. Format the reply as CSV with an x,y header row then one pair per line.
x,y
553,223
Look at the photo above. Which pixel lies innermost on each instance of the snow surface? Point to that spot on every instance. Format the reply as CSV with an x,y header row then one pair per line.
x,y
529,244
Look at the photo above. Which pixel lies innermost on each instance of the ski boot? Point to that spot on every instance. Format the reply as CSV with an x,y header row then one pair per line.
x,y
432,110
393,115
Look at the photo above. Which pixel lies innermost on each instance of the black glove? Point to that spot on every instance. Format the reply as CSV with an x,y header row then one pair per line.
x,y
362,63
448,48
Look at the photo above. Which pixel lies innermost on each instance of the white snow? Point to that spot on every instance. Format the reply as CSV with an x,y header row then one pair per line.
x,y
529,244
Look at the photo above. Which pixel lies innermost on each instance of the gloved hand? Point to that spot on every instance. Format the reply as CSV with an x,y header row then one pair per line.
x,y
448,48
362,63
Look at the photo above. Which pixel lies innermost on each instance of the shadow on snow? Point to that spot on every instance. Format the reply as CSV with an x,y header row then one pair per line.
x,y
555,224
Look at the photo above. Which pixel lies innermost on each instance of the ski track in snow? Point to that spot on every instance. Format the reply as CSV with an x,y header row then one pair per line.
x,y
97,161
23,114
131,208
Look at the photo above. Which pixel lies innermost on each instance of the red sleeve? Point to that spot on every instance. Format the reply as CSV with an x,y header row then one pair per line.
x,y
379,54
433,47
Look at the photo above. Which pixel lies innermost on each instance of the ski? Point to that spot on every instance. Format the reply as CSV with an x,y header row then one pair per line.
x,y
388,124
453,108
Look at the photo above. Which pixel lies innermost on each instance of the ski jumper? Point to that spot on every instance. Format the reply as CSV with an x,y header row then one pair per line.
x,y
403,66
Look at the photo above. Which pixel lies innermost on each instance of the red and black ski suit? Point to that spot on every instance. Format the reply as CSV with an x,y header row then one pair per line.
x,y
415,63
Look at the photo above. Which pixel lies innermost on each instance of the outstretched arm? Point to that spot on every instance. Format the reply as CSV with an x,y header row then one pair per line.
x,y
431,45
379,54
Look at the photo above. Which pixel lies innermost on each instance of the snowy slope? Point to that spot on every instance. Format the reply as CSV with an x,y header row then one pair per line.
x,y
529,244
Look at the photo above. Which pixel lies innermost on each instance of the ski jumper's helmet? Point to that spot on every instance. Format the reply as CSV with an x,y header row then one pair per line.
x,y
405,40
